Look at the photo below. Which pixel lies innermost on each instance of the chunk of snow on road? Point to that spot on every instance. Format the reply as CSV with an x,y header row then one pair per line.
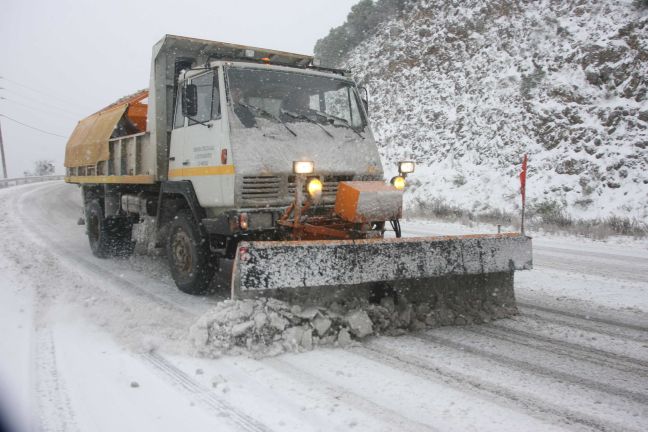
x,y
268,327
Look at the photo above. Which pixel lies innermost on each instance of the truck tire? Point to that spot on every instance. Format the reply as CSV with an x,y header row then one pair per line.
x,y
190,259
107,236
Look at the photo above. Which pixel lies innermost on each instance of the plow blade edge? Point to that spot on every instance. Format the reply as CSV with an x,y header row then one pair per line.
x,y
268,268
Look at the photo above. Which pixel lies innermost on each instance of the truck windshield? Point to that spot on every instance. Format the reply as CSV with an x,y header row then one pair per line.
x,y
293,97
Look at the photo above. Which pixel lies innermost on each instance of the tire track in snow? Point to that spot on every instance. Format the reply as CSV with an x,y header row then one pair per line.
x,y
55,411
528,403
207,397
537,369
385,414
585,318
563,348
583,324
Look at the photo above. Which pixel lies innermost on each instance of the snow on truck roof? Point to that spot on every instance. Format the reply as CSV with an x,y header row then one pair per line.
x,y
209,50
262,66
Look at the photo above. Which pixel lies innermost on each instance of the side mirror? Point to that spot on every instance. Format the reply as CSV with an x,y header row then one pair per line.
x,y
365,99
190,100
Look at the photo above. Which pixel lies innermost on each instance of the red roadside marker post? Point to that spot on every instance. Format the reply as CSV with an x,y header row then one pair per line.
x,y
523,190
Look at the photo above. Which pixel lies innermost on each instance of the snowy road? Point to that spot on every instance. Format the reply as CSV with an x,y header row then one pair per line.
x,y
101,345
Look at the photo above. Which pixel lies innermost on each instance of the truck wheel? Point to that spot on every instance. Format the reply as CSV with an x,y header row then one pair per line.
x,y
107,236
191,262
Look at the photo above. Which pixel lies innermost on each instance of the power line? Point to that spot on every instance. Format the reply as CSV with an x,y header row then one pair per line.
x,y
32,127
41,109
38,91
39,101
4,162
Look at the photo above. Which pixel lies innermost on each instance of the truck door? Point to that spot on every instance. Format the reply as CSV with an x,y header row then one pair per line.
x,y
199,144
176,150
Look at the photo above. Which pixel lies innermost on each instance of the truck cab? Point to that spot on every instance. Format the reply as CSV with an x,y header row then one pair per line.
x,y
238,126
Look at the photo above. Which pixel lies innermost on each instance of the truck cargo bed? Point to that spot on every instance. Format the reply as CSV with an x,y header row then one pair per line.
x,y
131,160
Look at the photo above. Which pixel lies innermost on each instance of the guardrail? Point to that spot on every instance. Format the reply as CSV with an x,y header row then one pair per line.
x,y
5,183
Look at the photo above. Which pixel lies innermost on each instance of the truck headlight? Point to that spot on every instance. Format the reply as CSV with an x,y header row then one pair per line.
x,y
243,221
398,182
314,188
406,167
303,167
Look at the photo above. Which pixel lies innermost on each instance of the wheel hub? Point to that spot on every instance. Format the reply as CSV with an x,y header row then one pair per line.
x,y
181,248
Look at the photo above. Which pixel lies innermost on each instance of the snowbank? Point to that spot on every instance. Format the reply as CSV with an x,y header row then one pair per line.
x,y
267,327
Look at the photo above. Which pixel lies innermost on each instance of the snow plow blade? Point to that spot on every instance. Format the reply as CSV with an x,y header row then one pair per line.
x,y
454,272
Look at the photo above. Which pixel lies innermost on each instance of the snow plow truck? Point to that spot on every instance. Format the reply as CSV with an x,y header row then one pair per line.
x,y
258,170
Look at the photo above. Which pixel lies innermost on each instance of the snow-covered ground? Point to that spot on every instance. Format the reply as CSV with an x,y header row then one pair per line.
x,y
102,345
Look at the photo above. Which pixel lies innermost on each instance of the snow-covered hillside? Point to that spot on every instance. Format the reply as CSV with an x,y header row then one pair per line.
x,y
467,87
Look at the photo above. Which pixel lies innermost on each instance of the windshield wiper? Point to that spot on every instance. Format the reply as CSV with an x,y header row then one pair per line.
x,y
308,119
267,114
344,122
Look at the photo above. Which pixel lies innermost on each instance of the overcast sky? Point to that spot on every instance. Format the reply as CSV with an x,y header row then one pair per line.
x,y
62,60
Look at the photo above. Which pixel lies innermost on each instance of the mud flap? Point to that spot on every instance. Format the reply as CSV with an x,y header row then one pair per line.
x,y
476,264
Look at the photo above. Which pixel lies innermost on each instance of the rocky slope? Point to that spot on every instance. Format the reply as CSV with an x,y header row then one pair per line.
x,y
466,88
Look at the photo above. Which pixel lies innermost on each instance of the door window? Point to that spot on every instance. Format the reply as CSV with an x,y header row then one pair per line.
x,y
208,98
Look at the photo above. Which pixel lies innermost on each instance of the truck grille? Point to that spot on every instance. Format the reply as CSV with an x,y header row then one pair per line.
x,y
329,184
261,187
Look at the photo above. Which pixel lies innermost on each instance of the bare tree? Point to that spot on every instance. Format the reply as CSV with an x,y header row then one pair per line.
x,y
41,168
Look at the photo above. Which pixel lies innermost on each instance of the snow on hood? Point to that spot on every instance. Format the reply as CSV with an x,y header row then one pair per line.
x,y
269,148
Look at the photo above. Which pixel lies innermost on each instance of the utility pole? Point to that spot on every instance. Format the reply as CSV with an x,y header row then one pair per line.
x,y
4,163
